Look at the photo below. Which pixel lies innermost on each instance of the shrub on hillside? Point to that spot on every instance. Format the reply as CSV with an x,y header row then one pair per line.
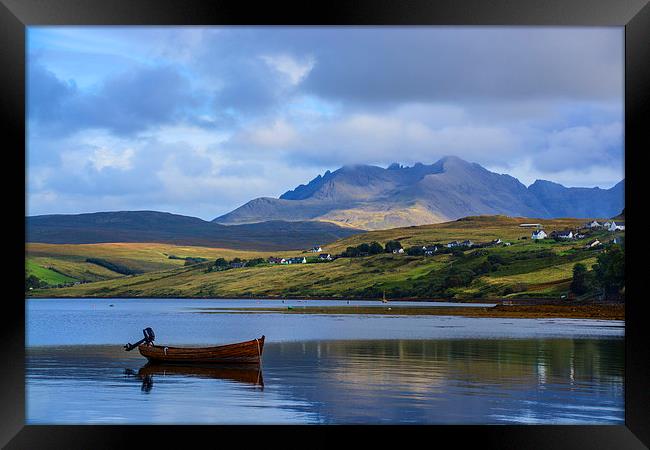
x,y
581,282
393,245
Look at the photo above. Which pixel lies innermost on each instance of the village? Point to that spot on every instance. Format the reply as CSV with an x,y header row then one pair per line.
x,y
587,230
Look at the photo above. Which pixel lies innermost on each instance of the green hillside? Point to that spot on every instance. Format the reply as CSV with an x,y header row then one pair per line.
x,y
46,274
525,268
72,259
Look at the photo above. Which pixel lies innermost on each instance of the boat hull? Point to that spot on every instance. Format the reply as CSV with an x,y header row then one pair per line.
x,y
249,352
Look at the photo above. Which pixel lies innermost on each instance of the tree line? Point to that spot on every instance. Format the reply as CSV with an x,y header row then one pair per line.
x,y
607,277
372,248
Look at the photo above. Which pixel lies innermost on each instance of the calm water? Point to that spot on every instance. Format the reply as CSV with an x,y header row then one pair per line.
x,y
319,368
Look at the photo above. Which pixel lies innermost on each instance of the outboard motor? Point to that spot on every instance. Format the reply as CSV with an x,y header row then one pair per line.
x,y
149,337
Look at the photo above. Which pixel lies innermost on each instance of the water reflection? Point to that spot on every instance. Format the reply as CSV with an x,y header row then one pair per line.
x,y
371,381
463,381
241,373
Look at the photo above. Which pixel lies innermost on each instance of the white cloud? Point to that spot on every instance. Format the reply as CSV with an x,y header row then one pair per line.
x,y
376,139
105,158
294,70
525,170
278,134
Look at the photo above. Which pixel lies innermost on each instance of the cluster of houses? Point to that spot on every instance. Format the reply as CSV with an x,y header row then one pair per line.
x,y
429,250
298,259
566,234
454,244
539,233
610,226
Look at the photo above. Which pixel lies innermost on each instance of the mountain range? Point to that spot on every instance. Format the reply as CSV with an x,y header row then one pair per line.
x,y
339,204
372,197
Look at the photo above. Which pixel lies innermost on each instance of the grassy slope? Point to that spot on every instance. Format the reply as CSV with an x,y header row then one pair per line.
x,y
358,277
70,259
477,229
45,274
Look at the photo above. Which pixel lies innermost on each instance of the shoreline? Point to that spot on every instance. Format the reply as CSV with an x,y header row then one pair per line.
x,y
524,308
497,300
600,312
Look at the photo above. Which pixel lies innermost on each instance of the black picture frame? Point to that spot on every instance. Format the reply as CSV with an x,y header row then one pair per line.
x,y
634,15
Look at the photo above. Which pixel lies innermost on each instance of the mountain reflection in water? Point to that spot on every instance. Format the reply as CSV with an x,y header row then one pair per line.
x,y
365,381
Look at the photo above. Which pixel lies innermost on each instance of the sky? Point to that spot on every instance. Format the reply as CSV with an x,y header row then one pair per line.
x,y
200,120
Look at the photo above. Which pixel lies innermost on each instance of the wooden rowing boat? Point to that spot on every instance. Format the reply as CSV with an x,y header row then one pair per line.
x,y
249,352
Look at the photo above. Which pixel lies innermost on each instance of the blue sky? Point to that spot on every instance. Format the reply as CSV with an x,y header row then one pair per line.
x,y
199,120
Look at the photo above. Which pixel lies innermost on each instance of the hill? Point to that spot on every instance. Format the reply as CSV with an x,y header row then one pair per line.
x,y
372,197
525,268
159,227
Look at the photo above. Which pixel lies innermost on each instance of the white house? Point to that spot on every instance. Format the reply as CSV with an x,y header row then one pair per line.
x,y
298,260
325,257
538,234
567,234
593,244
428,251
614,226
316,249
453,244
594,224
398,250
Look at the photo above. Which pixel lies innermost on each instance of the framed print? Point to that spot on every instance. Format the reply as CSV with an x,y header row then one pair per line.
x,y
256,220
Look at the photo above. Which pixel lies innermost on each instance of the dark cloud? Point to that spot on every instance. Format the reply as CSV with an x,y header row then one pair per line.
x,y
46,94
495,63
124,104
386,64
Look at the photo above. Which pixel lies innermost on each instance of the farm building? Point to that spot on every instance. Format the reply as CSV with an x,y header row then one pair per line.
x,y
593,244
